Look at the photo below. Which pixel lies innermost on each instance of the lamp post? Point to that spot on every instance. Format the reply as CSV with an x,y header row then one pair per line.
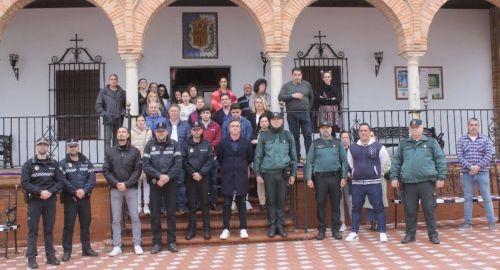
x,y
14,60
379,57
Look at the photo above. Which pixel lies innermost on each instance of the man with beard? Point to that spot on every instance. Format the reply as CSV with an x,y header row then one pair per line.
x,y
78,186
275,161
197,163
41,179
327,160
122,169
162,164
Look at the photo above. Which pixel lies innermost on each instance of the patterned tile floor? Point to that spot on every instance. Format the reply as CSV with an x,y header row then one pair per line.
x,y
474,249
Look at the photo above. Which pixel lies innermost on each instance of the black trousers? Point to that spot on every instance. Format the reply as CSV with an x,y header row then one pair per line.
x,y
426,192
73,208
198,192
169,193
242,210
328,187
46,209
276,186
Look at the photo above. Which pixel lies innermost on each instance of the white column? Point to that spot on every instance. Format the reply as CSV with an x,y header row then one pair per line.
x,y
276,60
131,81
413,79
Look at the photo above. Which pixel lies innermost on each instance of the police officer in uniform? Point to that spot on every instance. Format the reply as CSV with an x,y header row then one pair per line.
x,y
78,185
197,158
327,160
275,165
420,165
41,179
162,163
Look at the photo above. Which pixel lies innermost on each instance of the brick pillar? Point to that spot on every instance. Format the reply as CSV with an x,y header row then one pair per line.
x,y
495,62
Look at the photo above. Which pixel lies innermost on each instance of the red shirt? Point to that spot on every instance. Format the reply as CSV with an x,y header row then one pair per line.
x,y
215,101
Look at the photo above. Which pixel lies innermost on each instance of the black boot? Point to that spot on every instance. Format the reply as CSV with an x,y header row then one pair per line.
x,y
66,256
190,234
272,231
337,235
321,235
206,234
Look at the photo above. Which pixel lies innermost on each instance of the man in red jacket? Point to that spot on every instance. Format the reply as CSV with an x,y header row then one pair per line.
x,y
211,133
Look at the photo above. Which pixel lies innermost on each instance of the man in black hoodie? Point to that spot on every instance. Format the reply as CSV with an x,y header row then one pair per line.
x,y
110,104
41,179
78,186
122,169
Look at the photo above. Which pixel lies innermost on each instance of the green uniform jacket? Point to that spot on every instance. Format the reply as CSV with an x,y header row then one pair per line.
x,y
326,156
274,152
418,161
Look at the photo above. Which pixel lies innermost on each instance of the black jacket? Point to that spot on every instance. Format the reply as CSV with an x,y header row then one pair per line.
x,y
253,121
197,157
111,105
122,164
79,174
235,165
41,174
331,91
162,158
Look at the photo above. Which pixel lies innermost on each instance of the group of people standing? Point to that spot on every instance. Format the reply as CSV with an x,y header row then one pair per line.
x,y
175,149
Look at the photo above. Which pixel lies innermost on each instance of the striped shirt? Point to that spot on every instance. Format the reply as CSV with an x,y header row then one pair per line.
x,y
474,152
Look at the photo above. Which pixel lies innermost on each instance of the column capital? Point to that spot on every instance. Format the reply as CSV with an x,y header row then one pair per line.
x,y
128,57
276,56
412,56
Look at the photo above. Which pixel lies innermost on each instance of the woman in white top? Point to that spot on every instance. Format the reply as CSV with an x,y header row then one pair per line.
x,y
139,136
186,106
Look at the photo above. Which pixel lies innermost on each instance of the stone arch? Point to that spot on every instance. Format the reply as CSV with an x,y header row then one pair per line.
x,y
260,10
430,9
112,10
397,12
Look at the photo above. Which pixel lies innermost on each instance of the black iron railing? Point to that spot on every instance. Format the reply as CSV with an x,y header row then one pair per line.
x,y
88,128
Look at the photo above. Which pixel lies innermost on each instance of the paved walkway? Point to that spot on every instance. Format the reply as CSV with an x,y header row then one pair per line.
x,y
474,249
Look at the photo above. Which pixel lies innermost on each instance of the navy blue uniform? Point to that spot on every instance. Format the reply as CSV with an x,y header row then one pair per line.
x,y
79,175
38,175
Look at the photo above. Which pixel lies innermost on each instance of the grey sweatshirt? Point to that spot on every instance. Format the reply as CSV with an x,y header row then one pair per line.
x,y
293,104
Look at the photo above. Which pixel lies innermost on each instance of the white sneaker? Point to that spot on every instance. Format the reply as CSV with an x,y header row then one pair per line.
x,y
243,234
233,206
343,228
249,205
139,209
138,250
224,235
146,210
383,237
116,251
352,237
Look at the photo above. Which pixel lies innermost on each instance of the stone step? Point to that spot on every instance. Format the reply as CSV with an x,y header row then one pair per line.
x,y
215,225
255,236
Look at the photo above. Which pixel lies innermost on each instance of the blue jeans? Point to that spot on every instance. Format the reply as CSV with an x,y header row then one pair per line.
x,y
482,179
297,122
213,183
374,193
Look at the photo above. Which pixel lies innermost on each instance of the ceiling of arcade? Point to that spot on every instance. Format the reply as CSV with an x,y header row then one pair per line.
x,y
275,19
